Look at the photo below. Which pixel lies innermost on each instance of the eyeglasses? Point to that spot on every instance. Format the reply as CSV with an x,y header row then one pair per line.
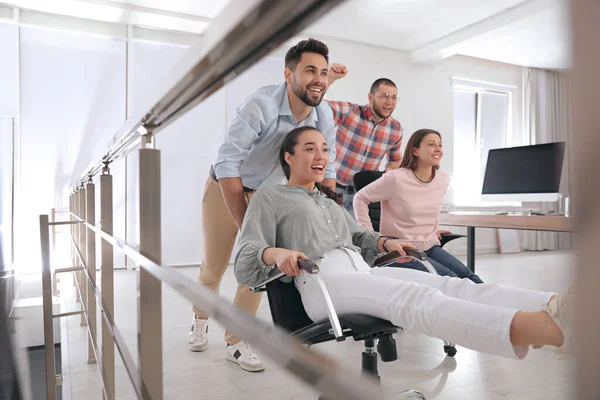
x,y
386,96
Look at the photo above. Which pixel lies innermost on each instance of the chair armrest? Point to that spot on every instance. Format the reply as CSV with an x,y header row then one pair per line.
x,y
274,274
449,237
307,265
313,270
422,257
387,259
417,254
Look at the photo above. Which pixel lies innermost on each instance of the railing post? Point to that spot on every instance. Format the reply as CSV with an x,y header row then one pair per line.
x,y
150,292
53,219
90,260
71,227
47,308
76,227
82,248
54,276
107,276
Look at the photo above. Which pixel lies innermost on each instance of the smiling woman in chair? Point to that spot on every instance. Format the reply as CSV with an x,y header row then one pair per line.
x,y
299,220
411,199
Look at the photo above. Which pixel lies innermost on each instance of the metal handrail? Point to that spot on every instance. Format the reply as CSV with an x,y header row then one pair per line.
x,y
103,379
207,66
308,365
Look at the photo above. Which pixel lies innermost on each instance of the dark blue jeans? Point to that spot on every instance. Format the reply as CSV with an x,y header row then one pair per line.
x,y
444,263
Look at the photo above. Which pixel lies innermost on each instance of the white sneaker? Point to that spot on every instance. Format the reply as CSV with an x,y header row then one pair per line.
x,y
198,338
560,309
241,354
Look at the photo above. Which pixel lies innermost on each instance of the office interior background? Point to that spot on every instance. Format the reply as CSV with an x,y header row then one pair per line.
x,y
486,75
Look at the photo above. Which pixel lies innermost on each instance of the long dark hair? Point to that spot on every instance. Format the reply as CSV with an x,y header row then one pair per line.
x,y
289,142
410,160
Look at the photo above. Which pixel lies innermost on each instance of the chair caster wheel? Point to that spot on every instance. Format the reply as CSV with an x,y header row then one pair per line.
x,y
450,350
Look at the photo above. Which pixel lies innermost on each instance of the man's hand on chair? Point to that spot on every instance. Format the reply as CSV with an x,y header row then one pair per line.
x,y
396,245
440,233
286,260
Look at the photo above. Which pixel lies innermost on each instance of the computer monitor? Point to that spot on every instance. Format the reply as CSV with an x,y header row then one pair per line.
x,y
526,173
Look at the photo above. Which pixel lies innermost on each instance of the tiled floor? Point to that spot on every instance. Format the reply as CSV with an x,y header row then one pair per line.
x,y
421,364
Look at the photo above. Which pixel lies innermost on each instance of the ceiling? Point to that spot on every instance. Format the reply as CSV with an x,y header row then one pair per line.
x,y
542,40
533,33
203,8
404,24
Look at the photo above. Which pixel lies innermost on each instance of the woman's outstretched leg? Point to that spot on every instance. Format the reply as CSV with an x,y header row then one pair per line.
x,y
550,326
464,289
536,327
418,308
423,309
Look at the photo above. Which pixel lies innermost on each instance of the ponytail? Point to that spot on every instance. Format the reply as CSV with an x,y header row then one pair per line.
x,y
327,191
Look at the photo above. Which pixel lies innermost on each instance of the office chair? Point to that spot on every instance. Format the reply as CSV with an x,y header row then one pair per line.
x,y
362,179
288,313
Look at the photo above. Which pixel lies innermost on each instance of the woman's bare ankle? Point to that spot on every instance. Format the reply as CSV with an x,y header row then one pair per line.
x,y
552,330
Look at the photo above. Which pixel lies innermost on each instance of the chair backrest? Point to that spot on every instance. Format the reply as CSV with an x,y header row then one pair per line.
x,y
286,306
362,179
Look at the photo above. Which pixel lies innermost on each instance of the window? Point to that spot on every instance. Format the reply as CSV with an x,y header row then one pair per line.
x,y
482,121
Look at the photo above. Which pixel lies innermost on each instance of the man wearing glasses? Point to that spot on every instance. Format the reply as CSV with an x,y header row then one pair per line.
x,y
365,134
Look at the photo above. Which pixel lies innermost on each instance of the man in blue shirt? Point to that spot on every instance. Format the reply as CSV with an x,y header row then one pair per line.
x,y
248,159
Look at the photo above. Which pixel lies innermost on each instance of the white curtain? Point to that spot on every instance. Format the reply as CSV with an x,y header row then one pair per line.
x,y
545,119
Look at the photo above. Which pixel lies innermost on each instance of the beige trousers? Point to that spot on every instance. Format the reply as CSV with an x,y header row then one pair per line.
x,y
219,231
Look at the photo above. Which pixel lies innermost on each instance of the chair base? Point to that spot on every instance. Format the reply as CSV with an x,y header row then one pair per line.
x,y
410,394
369,364
449,349
407,394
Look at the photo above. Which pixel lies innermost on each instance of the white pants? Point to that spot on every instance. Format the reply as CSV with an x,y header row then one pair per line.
x,y
476,316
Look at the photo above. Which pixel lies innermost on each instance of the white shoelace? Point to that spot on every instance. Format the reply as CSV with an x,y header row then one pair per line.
x,y
199,332
251,355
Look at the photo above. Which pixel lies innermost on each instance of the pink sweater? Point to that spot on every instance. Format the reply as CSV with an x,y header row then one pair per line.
x,y
410,209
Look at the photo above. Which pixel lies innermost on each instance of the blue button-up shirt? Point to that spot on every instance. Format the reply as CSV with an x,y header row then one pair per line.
x,y
252,142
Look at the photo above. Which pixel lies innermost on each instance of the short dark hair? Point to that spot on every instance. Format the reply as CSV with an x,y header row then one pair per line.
x,y
381,81
293,56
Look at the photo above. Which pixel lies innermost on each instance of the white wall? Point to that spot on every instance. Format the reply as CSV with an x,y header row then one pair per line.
x,y
72,91
148,64
9,71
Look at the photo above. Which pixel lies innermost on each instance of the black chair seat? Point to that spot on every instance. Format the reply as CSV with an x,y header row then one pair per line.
x,y
358,326
288,312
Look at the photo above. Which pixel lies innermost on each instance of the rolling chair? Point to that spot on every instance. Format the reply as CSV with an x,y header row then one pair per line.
x,y
288,313
362,179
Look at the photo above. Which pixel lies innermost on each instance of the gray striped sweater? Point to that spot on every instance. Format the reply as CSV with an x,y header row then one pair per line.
x,y
295,218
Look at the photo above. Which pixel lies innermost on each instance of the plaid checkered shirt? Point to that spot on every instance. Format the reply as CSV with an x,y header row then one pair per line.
x,y
361,143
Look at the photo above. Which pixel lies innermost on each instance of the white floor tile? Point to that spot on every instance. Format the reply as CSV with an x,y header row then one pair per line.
x,y
421,362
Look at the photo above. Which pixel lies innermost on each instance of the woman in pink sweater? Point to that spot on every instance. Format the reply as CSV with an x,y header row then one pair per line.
x,y
411,199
